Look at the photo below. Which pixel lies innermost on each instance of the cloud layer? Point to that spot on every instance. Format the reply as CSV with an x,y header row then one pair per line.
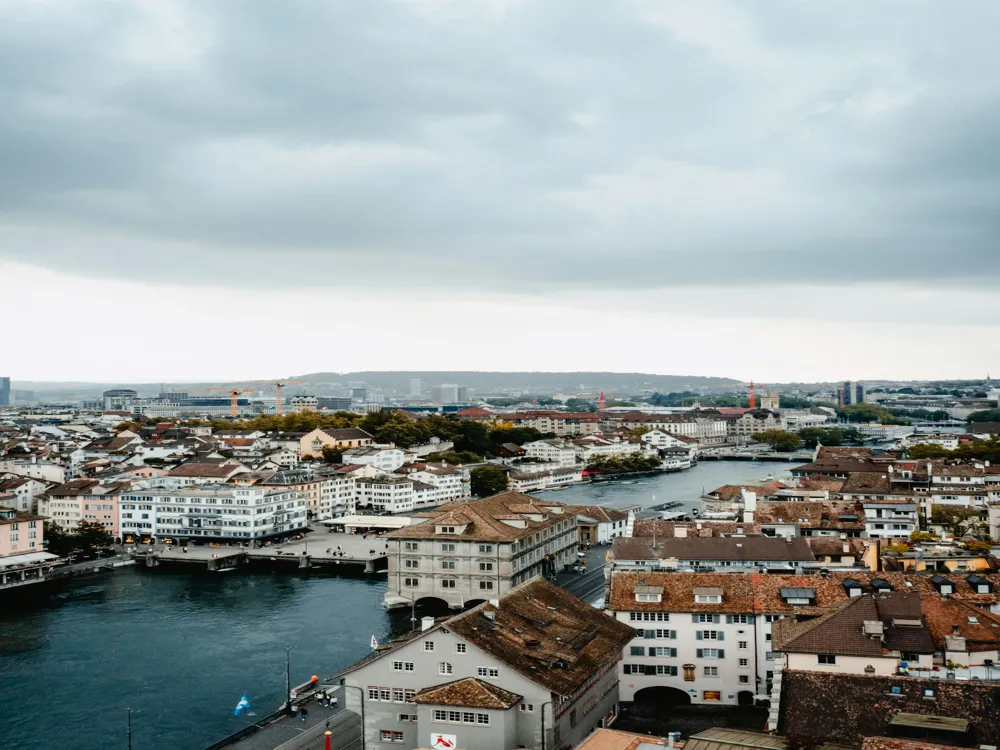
x,y
502,144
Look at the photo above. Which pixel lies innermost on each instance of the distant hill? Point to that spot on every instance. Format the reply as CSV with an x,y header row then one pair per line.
x,y
399,381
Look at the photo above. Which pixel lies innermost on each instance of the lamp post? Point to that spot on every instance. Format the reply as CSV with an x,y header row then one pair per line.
x,y
128,714
362,698
328,735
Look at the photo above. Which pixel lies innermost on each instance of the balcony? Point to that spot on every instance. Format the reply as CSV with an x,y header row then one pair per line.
x,y
985,673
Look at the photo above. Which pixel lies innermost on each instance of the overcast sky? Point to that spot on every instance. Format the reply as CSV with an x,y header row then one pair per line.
x,y
779,190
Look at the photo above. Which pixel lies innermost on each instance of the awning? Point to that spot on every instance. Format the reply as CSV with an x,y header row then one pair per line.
x,y
30,558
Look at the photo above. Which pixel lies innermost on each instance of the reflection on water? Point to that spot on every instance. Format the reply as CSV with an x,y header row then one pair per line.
x,y
181,647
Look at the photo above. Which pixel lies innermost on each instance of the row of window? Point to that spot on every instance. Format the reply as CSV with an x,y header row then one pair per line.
x,y
411,563
461,717
391,695
446,583
484,549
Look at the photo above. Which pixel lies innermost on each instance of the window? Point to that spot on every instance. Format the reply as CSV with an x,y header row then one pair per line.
x,y
407,718
744,662
402,666
486,585
411,563
487,672
707,618
408,694
826,658
711,671
708,598
486,567
741,619
385,694
658,633
928,693
373,693
447,547
527,706
744,679
649,616
485,549
666,669
709,635
411,582
428,645
663,652
447,565
633,669
647,597
448,583
411,546
459,648
444,668
637,650
464,717
710,653
742,644
447,530
397,695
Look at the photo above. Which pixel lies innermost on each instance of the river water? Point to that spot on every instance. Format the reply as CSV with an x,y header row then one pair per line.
x,y
180,648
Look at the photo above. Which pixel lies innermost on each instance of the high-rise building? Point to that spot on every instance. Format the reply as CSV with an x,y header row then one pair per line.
x,y
359,394
444,394
119,399
4,391
848,393
859,393
416,388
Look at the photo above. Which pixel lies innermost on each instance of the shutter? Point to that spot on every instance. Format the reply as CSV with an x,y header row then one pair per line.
x,y
698,635
652,651
694,618
649,634
673,652
700,653
673,635
750,619
729,619
721,636
722,653
650,670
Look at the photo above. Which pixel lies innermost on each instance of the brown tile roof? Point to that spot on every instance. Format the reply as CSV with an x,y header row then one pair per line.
x,y
470,693
74,487
945,614
545,633
714,548
835,452
729,492
19,517
837,632
811,515
598,512
348,433
486,519
831,485
894,743
678,592
658,527
870,481
833,546
612,739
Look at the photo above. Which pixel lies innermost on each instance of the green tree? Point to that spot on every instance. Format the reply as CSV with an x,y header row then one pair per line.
x,y
623,464
91,535
487,480
780,440
580,405
978,546
57,541
924,536
988,415
333,454
955,519
618,402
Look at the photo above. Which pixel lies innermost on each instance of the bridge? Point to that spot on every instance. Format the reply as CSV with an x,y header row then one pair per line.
x,y
735,455
315,551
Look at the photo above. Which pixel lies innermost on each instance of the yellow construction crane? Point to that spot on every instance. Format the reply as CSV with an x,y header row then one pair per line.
x,y
278,405
234,397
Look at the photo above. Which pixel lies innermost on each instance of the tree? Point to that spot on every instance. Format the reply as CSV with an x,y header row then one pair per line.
x,y
332,454
617,402
623,464
954,518
924,536
898,548
988,415
979,547
780,440
57,541
580,405
487,480
90,535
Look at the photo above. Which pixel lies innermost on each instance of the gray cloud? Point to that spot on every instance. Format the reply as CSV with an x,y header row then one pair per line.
x,y
481,142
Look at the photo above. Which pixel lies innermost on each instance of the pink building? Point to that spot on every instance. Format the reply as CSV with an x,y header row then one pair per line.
x,y
20,533
102,509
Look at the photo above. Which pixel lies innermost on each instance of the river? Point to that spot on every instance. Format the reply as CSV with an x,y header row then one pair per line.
x,y
180,648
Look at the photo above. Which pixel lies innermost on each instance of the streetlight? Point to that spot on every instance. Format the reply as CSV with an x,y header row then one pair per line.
x,y
361,690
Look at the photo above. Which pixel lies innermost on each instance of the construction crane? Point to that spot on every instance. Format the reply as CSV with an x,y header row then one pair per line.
x,y
234,397
752,393
278,405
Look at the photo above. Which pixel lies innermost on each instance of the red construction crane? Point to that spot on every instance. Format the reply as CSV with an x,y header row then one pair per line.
x,y
601,403
752,393
278,405
234,397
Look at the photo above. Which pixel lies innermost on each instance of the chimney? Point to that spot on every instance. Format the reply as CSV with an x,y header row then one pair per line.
x,y
847,548
426,623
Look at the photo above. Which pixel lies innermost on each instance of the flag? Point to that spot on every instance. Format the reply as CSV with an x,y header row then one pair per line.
x,y
244,703
374,643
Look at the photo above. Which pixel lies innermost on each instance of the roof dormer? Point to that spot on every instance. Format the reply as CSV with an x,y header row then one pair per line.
x,y
852,587
943,585
798,595
648,594
707,595
979,584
